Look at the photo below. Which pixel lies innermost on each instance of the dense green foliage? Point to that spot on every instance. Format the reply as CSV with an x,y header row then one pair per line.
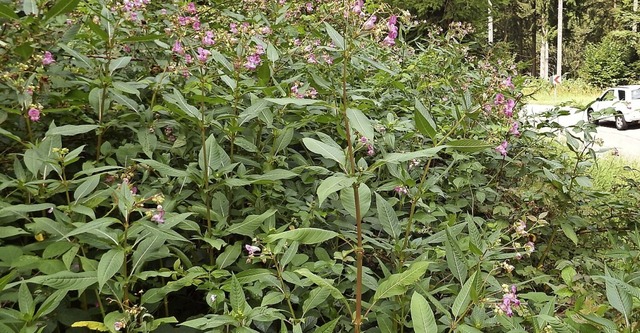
x,y
613,61
277,166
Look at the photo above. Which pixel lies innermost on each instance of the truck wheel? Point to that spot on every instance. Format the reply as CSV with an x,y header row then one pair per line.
x,y
621,124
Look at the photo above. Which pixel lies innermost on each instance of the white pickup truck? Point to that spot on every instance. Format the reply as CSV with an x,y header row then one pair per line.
x,y
621,104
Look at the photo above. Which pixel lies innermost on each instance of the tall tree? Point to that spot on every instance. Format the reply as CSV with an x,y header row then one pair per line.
x,y
559,49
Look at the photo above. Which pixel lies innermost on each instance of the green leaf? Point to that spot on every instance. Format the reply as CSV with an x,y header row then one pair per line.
x,y
61,7
178,100
66,280
303,235
455,259
337,39
326,283
9,231
92,325
463,298
163,169
25,300
327,151
144,251
216,157
568,231
88,186
331,185
468,145
289,254
618,297
396,158
98,224
83,59
123,100
422,315
387,217
347,198
148,141
143,38
294,101
250,224
229,256
7,12
424,121
316,297
283,140
361,123
16,209
236,296
397,284
328,327
51,303
70,130
116,64
110,263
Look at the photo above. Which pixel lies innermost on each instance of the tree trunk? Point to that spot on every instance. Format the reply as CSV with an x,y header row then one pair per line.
x,y
490,23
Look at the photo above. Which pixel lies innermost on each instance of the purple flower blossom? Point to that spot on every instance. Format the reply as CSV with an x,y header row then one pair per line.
x,y
177,47
158,217
309,7
393,20
259,50
188,59
191,8
370,23
48,58
253,61
34,114
507,83
311,58
252,249
509,299
118,325
233,28
266,31
514,129
401,190
196,25
499,99
207,40
203,54
389,41
370,150
502,148
357,7
327,58
363,139
508,110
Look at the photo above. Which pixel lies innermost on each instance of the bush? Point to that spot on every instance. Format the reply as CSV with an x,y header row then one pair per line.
x,y
264,166
612,61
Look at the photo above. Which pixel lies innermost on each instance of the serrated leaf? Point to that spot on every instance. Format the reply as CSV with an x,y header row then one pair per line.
x,y
331,185
387,217
70,130
123,100
250,224
110,263
61,7
51,303
143,38
455,259
88,186
316,297
361,123
397,284
422,315
468,145
463,298
618,297
236,295
325,150
303,236
335,36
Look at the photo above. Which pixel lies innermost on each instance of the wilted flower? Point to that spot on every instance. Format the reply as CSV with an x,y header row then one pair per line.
x,y
529,247
370,150
507,267
521,228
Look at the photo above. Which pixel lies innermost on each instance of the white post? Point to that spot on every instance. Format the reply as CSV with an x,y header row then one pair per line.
x,y
559,60
635,11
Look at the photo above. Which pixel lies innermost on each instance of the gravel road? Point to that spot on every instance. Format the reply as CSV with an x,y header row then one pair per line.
x,y
626,142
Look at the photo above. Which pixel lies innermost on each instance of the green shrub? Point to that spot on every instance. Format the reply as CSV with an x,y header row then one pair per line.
x,y
611,62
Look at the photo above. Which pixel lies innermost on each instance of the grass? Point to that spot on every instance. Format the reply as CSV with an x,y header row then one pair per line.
x,y
611,171
574,93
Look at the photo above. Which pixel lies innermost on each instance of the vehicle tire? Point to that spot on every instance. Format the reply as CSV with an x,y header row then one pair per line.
x,y
590,117
621,124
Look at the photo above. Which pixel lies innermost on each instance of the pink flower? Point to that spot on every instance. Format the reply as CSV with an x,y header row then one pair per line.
x,y
502,148
158,217
509,299
401,190
188,59
196,25
499,99
508,111
191,8
177,47
327,58
389,41
370,150
253,61
252,249
507,83
207,40
393,20
312,59
266,31
259,50
514,129
48,58
118,325
309,7
370,23
357,8
203,54
233,28
363,139
529,247
34,114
